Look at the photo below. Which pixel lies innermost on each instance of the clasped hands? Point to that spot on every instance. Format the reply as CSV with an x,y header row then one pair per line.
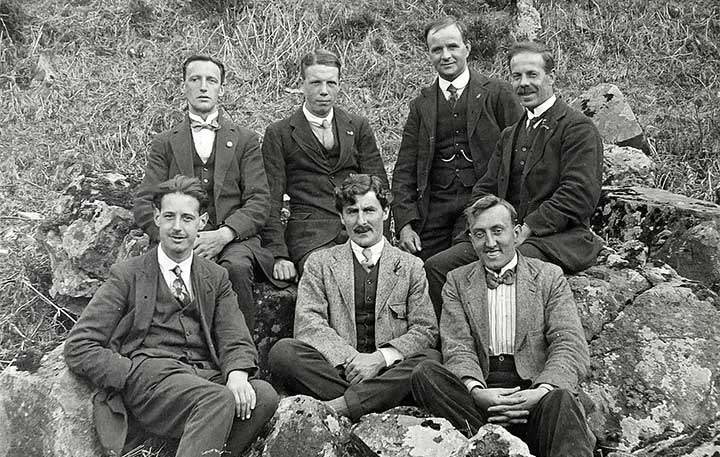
x,y
507,406
361,367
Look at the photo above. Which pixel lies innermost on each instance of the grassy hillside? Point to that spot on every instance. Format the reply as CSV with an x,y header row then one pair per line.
x,y
109,79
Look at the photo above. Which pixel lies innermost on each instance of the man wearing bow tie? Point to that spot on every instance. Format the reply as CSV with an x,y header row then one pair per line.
x,y
306,156
513,347
227,160
363,319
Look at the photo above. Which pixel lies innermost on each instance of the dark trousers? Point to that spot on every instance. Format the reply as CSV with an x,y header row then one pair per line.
x,y
303,370
239,260
556,426
445,219
438,266
173,399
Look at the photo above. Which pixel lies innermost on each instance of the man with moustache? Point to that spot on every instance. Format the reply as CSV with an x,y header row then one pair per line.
x,y
363,319
449,137
513,347
306,156
548,165
166,345
227,160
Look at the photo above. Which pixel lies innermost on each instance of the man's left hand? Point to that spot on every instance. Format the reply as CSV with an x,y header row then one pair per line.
x,y
363,366
512,412
525,232
243,392
209,244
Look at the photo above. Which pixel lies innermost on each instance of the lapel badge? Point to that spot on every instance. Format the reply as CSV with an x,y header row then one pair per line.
x,y
350,132
229,144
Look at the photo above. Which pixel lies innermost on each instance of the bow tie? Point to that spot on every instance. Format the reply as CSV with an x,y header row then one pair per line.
x,y
199,125
493,280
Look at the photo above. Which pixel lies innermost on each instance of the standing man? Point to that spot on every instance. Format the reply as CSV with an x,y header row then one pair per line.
x,y
306,156
449,137
363,319
165,343
227,160
512,342
548,165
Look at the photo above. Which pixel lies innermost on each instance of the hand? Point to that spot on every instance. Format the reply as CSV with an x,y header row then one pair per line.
x,y
209,244
284,270
525,232
498,405
409,240
243,392
363,366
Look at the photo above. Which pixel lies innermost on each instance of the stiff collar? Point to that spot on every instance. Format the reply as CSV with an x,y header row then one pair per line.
x,y
212,116
167,264
314,120
460,82
508,266
541,108
375,250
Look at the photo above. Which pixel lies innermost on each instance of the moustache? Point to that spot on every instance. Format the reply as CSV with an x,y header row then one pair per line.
x,y
525,91
362,229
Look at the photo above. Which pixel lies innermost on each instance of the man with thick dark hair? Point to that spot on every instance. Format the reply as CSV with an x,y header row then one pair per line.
x,y
227,160
363,319
306,156
449,137
548,165
166,345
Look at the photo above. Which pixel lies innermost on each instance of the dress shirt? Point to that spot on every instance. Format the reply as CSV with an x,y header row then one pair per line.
x,y
167,265
389,353
539,111
460,83
204,139
316,123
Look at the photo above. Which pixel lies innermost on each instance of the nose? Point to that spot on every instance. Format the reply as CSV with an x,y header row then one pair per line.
x,y
203,84
490,241
176,224
361,218
445,54
524,80
323,88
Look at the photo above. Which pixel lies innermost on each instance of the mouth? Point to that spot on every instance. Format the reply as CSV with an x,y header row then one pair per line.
x,y
361,230
178,238
493,254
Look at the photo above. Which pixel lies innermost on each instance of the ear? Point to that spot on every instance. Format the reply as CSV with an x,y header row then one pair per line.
x,y
551,75
386,213
203,220
221,92
467,45
517,230
156,217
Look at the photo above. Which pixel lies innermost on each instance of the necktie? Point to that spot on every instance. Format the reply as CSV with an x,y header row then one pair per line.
x,y
199,125
453,98
179,290
327,139
367,259
493,280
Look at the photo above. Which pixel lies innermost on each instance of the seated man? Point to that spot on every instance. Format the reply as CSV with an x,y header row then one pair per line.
x,y
164,341
363,319
513,346
548,166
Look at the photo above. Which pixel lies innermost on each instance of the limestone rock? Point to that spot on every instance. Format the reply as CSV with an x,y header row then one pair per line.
x,y
696,252
527,21
627,166
701,442
405,436
494,441
612,115
46,413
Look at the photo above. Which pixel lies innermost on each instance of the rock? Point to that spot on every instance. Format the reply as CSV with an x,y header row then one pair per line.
x,y
696,253
527,21
702,442
627,166
405,436
46,413
494,441
612,115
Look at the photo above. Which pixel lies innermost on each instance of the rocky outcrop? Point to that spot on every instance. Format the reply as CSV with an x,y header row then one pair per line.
x,y
627,166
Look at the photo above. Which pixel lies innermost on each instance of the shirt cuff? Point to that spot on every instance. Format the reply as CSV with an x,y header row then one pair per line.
x,y
472,383
391,355
546,386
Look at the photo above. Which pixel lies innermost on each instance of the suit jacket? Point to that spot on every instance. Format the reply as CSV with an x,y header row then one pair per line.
x,y
117,319
325,308
296,166
550,345
561,184
492,106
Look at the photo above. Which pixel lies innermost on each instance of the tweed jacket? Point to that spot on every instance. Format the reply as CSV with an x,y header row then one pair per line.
x,y
325,309
561,184
296,166
550,345
492,106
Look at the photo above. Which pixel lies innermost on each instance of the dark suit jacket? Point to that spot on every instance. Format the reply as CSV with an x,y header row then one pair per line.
x,y
242,198
115,322
550,345
492,106
295,166
561,184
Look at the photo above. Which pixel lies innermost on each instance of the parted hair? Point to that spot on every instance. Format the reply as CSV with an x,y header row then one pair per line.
x,y
181,184
319,57
203,58
441,23
535,48
361,184
483,204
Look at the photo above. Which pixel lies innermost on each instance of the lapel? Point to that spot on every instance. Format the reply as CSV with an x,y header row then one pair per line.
x,y
544,131
477,306
342,269
345,136
507,154
388,275
146,280
475,100
428,115
225,144
203,290
182,147
304,137
525,297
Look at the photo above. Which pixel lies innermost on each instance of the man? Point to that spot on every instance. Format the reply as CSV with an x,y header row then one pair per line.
x,y
363,319
227,160
512,343
449,137
548,166
306,156
164,342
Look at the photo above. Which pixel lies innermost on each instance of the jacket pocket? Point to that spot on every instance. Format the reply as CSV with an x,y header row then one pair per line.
x,y
398,310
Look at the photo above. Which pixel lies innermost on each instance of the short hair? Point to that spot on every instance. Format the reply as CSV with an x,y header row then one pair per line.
x,y
184,185
443,22
361,184
535,48
319,57
483,204
203,58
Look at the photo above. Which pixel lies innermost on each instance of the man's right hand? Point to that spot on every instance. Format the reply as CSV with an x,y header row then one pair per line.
x,y
409,240
284,270
486,398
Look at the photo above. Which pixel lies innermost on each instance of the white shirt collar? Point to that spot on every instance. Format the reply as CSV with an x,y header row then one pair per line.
x,y
167,264
541,108
209,119
317,121
375,250
460,82
508,266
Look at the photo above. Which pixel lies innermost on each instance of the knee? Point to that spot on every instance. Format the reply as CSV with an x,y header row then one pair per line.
x,y
239,268
425,371
267,399
282,358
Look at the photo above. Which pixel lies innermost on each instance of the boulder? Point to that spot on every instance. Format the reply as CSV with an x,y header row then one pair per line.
x,y
612,115
494,441
627,166
527,21
701,442
695,252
